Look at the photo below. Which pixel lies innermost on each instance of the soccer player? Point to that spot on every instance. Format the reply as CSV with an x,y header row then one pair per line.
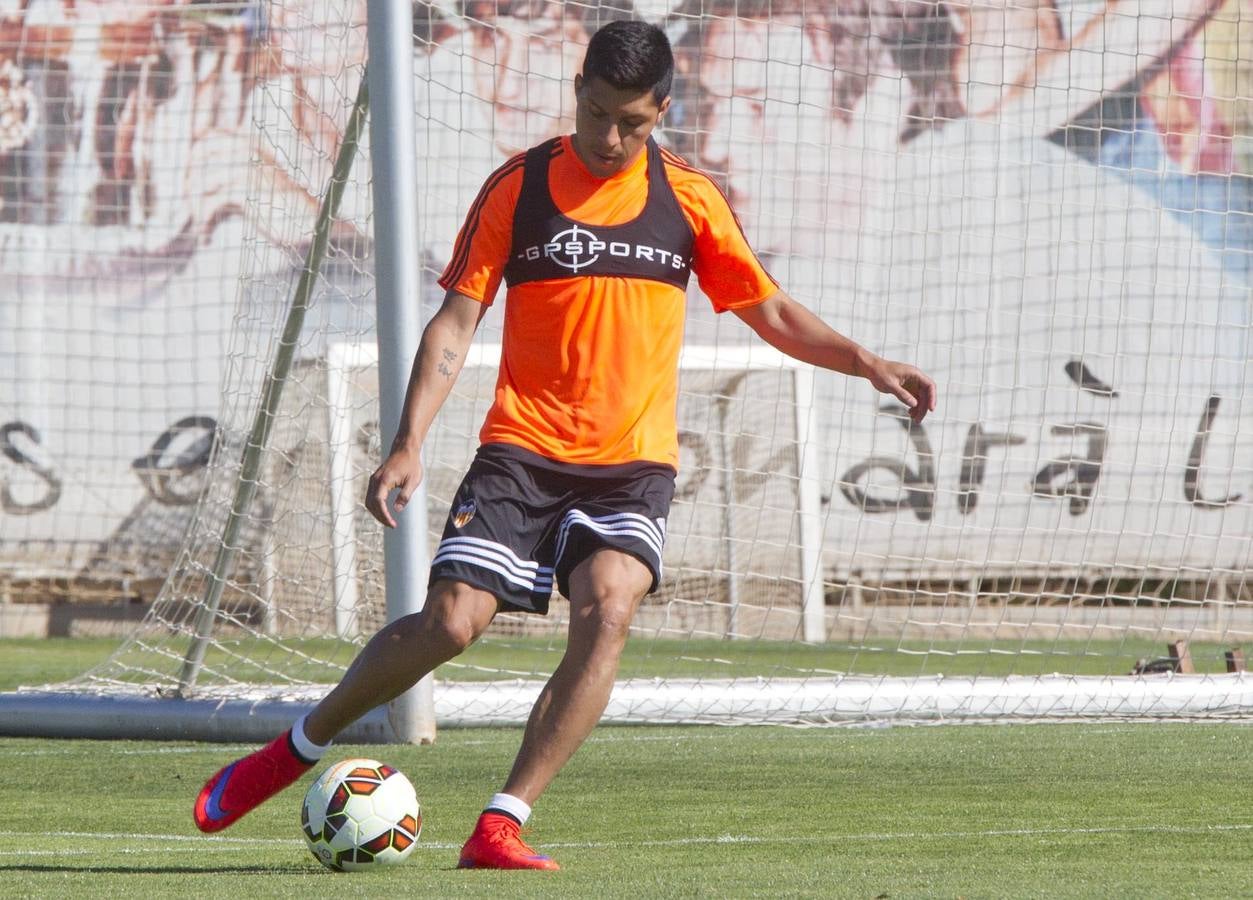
x,y
595,235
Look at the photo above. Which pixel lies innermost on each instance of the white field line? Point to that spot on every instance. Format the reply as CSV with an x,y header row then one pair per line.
x,y
196,839
914,835
124,851
24,752
193,843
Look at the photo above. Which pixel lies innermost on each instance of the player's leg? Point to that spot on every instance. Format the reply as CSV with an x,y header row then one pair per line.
x,y
397,656
607,555
484,558
605,590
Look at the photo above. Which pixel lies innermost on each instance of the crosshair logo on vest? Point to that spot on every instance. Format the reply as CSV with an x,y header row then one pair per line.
x,y
574,248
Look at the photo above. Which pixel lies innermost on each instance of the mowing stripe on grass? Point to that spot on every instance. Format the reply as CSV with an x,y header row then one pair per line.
x,y
200,841
907,835
513,737
24,752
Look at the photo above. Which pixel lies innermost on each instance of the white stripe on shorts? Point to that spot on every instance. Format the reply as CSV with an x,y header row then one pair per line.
x,y
496,558
616,525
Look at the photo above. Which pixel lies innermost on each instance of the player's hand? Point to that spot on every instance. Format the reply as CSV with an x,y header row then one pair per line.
x,y
401,472
906,383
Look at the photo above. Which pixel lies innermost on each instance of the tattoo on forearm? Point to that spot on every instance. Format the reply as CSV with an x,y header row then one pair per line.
x,y
445,367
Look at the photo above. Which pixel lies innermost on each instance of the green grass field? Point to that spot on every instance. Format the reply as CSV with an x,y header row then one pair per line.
x,y
1092,810
32,661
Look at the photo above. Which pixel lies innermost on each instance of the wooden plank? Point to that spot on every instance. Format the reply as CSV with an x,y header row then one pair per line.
x,y
1182,656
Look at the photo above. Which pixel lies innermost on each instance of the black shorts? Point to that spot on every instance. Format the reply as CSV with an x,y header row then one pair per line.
x,y
520,522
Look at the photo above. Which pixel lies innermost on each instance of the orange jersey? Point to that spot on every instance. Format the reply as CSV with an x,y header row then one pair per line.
x,y
589,364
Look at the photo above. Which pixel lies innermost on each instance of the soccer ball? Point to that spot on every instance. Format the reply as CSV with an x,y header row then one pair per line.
x,y
359,814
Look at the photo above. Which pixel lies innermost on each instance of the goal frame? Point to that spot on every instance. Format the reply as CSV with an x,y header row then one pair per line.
x,y
343,356
195,714
907,600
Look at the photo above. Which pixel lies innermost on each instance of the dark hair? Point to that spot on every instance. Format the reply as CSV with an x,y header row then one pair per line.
x,y
631,56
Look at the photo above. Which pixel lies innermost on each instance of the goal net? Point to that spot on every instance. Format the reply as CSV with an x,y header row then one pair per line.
x,y
1048,207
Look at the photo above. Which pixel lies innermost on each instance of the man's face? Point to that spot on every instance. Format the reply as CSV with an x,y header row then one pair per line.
x,y
612,126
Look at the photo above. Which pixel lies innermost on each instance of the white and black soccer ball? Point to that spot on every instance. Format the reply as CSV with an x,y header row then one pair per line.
x,y
359,814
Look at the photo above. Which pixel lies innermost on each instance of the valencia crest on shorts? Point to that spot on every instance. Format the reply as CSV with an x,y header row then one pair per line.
x,y
463,513
521,523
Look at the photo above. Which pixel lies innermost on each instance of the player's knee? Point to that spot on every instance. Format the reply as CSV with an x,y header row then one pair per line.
x,y
614,626
455,615
608,616
450,629
451,633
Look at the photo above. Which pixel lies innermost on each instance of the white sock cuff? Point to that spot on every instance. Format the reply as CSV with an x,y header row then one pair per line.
x,y
508,803
305,747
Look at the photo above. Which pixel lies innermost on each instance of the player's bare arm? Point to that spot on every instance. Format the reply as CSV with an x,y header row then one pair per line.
x,y
439,359
788,326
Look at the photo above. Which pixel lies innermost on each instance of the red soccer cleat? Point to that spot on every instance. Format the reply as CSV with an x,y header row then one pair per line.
x,y
247,783
495,845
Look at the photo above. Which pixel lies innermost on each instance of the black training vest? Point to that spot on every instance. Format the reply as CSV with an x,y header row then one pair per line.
x,y
655,245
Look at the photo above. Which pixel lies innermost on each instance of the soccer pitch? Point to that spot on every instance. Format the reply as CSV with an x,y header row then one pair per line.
x,y
1080,810
1003,811
940,311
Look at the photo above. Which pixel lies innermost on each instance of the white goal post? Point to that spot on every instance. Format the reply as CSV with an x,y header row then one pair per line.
x,y
343,360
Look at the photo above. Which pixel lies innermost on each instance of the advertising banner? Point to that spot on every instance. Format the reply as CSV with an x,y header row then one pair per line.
x,y
1047,206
